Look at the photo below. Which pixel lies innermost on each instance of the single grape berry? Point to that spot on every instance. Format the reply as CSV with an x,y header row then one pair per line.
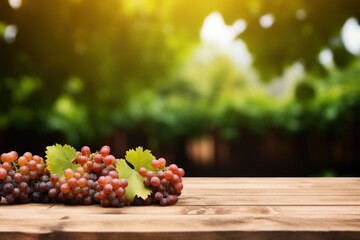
x,y
3,173
105,150
155,164
162,162
85,150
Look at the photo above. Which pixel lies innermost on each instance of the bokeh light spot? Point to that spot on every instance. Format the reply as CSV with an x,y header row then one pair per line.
x,y
350,35
301,14
267,20
15,4
10,33
326,58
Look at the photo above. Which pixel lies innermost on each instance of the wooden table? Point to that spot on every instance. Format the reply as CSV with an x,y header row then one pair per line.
x,y
210,208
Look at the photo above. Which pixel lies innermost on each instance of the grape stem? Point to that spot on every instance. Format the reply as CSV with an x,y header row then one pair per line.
x,y
14,166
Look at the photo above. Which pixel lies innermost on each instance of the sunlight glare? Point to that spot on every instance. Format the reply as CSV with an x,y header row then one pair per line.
x,y
10,33
214,29
224,37
326,58
350,35
15,4
267,20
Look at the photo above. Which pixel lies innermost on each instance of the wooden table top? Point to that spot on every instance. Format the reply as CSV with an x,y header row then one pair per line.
x,y
209,208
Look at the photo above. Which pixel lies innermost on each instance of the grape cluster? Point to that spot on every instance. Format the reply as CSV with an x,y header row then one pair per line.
x,y
95,182
26,178
41,190
165,182
100,163
17,175
13,191
75,187
110,191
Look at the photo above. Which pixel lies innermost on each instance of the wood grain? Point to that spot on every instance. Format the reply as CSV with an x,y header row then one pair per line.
x,y
209,208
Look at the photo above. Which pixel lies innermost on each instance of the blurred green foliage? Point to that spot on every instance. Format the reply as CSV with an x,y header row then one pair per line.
x,y
85,68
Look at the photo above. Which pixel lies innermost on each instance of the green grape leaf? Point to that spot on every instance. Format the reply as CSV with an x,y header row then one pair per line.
x,y
137,158
140,158
135,186
59,158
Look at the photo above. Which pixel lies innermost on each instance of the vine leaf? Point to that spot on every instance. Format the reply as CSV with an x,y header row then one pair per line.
x,y
59,158
137,158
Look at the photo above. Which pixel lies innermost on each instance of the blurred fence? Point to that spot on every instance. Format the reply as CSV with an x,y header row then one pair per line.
x,y
274,153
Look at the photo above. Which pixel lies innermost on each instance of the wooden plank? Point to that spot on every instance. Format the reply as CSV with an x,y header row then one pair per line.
x,y
275,192
232,208
272,191
291,200
273,183
94,218
58,211
210,235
